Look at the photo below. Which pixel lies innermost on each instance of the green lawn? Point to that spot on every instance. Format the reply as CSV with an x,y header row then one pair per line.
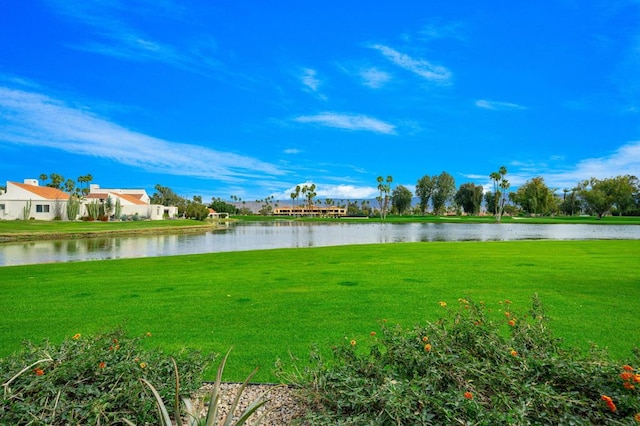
x,y
266,303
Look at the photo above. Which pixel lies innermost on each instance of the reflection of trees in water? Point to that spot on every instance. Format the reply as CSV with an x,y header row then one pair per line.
x,y
98,244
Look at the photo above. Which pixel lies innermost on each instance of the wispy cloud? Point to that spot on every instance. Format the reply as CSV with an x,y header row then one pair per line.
x,y
337,192
421,67
292,151
623,161
31,118
498,106
309,79
349,122
440,30
112,34
374,78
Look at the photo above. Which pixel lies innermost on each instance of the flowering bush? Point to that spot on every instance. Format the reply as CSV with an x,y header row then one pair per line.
x,y
91,380
475,369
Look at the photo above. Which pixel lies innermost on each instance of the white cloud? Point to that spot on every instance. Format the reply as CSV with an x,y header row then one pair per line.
x,y
498,106
292,151
623,161
29,118
112,34
309,79
349,122
337,192
421,67
374,78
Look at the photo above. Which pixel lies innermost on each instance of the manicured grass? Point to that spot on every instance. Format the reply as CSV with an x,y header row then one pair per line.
x,y
47,226
267,303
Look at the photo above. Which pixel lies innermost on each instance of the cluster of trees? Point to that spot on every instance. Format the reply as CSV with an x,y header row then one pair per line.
x,y
58,181
618,195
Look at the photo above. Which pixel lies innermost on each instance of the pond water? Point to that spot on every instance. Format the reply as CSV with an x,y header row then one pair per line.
x,y
288,234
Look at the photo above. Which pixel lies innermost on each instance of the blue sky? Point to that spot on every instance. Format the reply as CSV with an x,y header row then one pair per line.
x,y
250,98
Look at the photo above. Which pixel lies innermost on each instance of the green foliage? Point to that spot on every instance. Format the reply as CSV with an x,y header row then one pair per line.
x,y
196,211
535,197
26,210
73,207
90,380
401,199
467,368
469,197
444,187
221,206
94,210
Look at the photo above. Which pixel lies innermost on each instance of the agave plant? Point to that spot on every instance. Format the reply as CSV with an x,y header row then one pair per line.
x,y
192,415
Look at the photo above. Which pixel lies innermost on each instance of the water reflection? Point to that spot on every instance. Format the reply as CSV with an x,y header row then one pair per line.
x,y
289,234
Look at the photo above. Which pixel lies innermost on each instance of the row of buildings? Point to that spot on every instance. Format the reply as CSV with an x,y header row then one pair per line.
x,y
28,200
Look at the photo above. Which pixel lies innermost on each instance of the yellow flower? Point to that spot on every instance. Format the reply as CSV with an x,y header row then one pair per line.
x,y
353,343
514,352
427,347
143,365
76,336
442,303
425,339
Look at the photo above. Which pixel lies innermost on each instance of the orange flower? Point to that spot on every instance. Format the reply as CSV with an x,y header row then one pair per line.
x,y
38,371
372,334
610,403
353,343
102,364
627,368
636,378
514,353
427,347
507,302
425,339
507,314
512,323
628,385
443,304
626,376
468,395
76,336
637,417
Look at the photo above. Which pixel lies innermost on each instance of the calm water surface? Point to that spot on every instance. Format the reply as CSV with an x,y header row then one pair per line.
x,y
287,234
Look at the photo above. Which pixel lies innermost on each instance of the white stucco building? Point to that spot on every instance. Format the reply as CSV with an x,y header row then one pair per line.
x,y
29,200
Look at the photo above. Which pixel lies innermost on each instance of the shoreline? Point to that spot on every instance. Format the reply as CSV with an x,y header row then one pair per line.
x,y
37,236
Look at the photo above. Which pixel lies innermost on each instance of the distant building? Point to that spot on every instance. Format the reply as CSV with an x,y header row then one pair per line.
x,y
29,200
328,211
132,201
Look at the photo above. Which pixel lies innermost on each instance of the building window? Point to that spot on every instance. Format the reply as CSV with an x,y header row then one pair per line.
x,y
42,208
1,206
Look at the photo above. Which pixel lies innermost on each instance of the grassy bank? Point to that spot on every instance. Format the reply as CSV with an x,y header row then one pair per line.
x,y
29,230
267,303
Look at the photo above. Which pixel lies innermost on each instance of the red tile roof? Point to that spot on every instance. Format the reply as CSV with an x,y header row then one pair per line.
x,y
44,191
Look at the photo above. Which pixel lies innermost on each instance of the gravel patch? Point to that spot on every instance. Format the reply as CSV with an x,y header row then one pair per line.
x,y
282,407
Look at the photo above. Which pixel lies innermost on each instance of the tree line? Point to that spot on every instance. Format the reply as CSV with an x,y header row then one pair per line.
x,y
618,195
436,194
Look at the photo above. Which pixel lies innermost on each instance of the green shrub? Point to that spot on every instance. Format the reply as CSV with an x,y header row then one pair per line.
x,y
91,380
474,366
